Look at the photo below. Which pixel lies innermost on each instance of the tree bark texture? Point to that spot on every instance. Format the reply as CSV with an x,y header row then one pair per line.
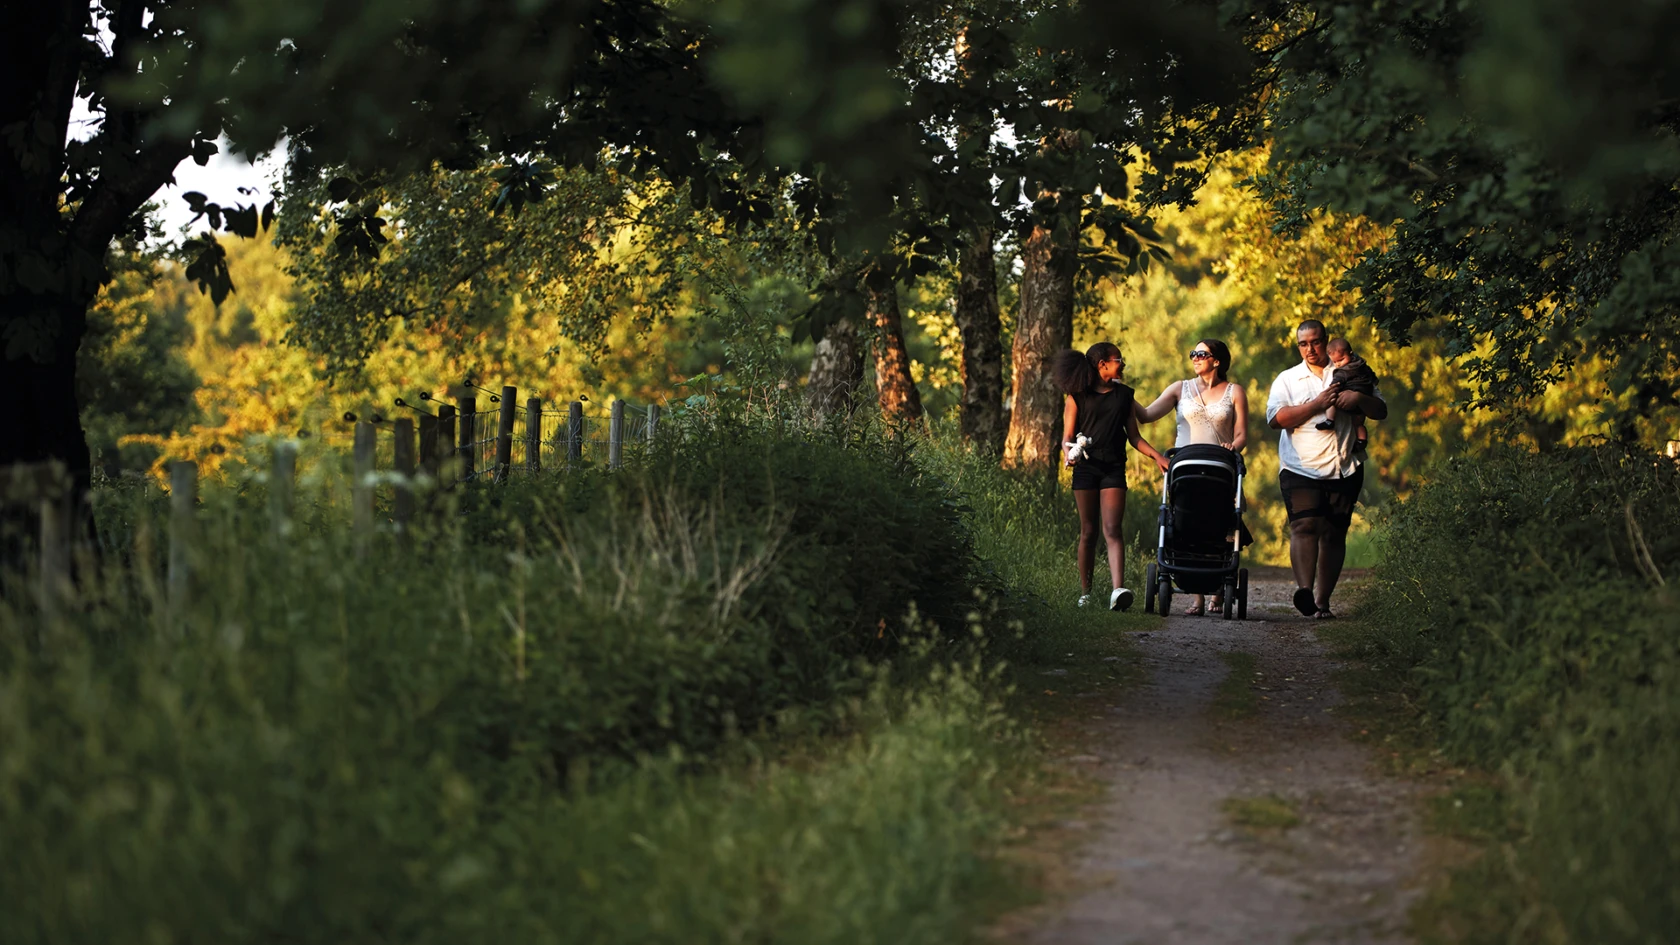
x,y
900,402
52,263
1044,327
836,371
981,327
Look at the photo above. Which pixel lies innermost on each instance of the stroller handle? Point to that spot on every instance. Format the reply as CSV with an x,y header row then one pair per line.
x,y
1242,467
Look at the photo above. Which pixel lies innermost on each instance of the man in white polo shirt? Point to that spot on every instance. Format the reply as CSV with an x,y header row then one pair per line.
x,y
1321,474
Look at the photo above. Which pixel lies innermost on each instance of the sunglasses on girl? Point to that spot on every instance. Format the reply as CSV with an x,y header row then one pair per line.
x,y
1200,355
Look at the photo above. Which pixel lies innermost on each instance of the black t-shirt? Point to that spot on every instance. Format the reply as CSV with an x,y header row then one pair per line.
x,y
1104,418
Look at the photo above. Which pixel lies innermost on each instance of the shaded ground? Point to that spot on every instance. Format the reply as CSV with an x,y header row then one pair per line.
x,y
1236,810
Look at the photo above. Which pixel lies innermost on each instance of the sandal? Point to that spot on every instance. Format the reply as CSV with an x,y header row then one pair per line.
x,y
1194,611
1304,602
1324,614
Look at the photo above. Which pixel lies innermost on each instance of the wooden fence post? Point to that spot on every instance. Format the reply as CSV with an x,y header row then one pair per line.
x,y
652,422
615,435
469,435
533,435
361,490
183,499
53,499
504,433
282,477
428,445
402,455
446,468
574,432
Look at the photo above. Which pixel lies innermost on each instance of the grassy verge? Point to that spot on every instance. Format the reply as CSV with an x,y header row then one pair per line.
x,y
769,689
1539,661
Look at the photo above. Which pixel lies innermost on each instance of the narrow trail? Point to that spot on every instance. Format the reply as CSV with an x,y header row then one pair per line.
x,y
1164,861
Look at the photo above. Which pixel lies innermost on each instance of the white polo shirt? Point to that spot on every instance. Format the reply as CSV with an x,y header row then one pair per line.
x,y
1320,454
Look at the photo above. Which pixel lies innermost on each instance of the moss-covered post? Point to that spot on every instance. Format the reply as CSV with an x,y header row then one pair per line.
x,y
615,435
533,435
183,501
504,432
402,455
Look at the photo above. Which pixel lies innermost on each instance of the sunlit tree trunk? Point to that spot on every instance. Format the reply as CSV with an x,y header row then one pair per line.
x,y
836,371
981,327
1044,327
900,402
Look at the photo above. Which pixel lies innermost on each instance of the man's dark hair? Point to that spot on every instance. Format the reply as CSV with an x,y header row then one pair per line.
x,y
1312,323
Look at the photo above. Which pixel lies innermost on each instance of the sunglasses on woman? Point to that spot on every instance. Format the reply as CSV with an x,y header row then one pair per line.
x,y
1200,355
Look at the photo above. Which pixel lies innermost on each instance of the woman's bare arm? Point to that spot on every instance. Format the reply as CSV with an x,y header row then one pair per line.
x,y
1142,445
1239,433
1070,416
1162,406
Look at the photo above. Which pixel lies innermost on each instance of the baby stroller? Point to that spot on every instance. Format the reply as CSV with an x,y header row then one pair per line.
x,y
1200,546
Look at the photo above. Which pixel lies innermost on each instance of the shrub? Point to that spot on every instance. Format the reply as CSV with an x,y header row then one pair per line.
x,y
1527,596
466,738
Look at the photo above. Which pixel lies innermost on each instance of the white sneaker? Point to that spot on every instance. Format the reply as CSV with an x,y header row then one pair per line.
x,y
1120,599
1084,600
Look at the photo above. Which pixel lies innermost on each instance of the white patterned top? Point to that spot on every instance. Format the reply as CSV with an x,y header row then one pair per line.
x,y
1202,422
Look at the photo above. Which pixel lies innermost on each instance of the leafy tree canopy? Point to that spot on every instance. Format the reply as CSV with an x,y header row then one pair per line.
x,y
1526,154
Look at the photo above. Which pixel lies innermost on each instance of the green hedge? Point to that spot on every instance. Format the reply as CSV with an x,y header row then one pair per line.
x,y
1531,599
430,744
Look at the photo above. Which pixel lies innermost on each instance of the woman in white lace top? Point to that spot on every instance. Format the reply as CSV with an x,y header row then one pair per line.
x,y
1211,409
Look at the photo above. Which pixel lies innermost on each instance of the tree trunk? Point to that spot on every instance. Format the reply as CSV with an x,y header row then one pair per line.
x,y
44,421
1045,326
900,402
836,371
982,355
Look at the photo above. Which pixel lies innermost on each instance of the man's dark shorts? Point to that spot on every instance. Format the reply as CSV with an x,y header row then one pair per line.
x,y
1334,499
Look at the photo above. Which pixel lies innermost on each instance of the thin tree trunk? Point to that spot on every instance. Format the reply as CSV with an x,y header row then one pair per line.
x,y
977,317
1045,326
836,371
982,338
900,402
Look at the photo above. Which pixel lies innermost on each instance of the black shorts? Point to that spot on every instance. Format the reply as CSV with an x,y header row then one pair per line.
x,y
1099,474
1306,497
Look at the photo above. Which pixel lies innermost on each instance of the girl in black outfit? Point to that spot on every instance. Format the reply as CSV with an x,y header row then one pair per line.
x,y
1104,410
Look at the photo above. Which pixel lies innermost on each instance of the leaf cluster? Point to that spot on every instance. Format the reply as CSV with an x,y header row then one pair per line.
x,y
1529,175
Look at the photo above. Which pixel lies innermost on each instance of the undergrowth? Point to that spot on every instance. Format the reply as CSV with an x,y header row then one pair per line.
x,y
751,688
1523,622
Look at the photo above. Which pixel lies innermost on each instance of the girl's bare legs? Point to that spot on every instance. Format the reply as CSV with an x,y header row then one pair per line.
x,y
1113,516
1088,502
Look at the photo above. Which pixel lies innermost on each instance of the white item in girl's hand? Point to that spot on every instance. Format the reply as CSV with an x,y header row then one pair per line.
x,y
1076,449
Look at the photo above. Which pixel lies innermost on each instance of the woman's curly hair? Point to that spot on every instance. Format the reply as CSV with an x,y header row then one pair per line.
x,y
1076,373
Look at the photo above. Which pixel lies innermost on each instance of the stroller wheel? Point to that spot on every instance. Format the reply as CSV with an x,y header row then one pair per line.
x,y
1227,599
1163,597
1149,588
1242,594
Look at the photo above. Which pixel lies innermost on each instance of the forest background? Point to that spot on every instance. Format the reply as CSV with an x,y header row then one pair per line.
x,y
169,374
726,206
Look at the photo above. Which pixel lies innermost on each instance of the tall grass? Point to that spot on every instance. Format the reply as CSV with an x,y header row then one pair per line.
x,y
1526,602
562,713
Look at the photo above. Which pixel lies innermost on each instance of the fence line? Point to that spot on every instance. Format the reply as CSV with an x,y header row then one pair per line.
x,y
456,444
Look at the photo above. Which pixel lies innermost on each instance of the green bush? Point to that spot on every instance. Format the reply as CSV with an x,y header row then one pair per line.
x,y
468,738
1528,599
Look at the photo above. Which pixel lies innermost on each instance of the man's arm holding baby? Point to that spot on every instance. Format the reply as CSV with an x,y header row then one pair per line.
x,y
1371,405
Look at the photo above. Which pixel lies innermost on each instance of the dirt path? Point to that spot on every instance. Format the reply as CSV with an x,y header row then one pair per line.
x,y
1166,860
